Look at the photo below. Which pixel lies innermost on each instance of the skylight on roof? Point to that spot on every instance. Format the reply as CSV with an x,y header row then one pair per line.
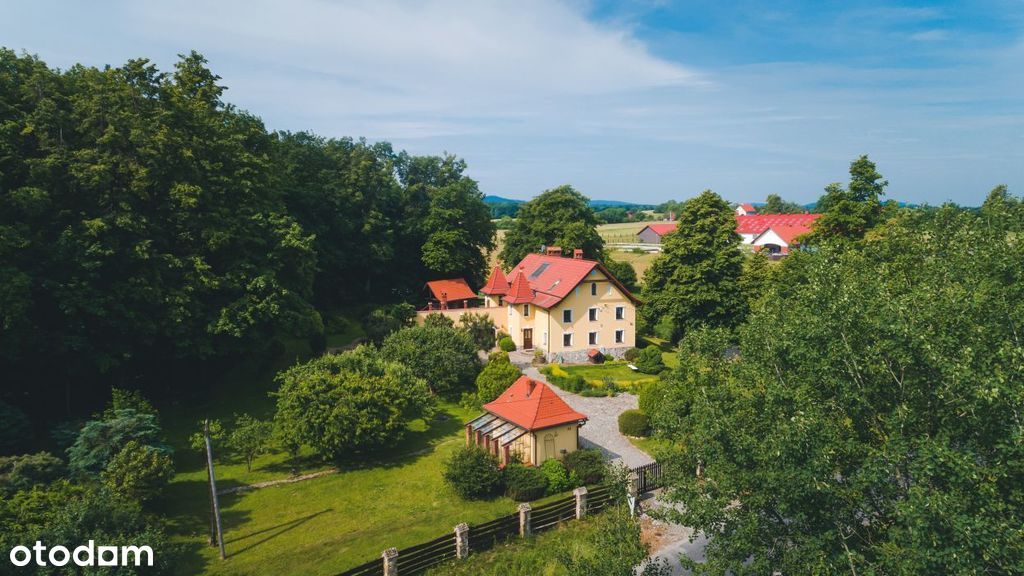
x,y
540,270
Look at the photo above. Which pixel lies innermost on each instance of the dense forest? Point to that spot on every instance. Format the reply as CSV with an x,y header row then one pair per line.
x,y
149,229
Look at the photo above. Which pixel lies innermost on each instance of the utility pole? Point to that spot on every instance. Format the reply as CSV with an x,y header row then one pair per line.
x,y
213,488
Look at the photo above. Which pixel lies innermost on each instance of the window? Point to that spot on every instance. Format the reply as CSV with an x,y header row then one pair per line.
x,y
567,339
593,288
593,314
592,338
620,336
566,315
620,312
526,310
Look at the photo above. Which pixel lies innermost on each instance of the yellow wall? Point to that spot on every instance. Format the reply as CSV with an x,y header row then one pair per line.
x,y
580,300
565,437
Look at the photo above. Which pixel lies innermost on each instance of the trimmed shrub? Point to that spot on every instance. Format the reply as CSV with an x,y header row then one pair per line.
x,y
588,465
496,376
23,472
631,354
524,483
634,423
507,344
473,473
557,475
649,360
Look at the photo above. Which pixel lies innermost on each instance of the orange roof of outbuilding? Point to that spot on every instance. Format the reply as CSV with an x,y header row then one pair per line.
x,y
449,290
533,405
497,283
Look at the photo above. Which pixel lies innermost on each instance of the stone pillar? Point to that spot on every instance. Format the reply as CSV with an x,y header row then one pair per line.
x,y
524,520
469,433
632,491
461,540
581,502
390,557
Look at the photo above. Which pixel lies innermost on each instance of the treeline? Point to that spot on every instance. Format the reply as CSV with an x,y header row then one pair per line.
x,y
147,224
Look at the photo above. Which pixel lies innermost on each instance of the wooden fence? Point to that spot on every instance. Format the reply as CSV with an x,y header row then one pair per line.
x,y
481,537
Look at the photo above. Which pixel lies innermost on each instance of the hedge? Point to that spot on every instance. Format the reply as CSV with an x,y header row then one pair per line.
x,y
634,423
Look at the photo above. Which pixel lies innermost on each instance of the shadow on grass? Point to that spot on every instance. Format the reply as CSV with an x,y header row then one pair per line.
x,y
277,531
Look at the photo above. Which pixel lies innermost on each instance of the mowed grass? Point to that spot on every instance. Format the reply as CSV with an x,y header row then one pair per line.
x,y
332,523
619,372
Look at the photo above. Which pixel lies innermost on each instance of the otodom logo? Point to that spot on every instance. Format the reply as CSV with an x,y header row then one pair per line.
x,y
84,555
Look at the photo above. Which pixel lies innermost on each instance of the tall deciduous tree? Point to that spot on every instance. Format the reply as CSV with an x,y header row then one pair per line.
x,y
847,214
443,356
872,423
695,280
558,217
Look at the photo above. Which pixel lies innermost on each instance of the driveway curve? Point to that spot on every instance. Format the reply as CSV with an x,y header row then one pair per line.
x,y
602,428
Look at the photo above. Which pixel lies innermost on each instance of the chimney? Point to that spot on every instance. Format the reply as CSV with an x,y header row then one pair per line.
x,y
554,251
532,385
577,254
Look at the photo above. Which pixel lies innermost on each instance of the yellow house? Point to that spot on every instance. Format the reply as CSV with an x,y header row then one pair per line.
x,y
566,307
529,421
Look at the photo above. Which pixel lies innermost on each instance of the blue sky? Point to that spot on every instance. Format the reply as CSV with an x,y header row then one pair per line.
x,y
642,100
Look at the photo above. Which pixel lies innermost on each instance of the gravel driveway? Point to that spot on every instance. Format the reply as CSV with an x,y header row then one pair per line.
x,y
602,428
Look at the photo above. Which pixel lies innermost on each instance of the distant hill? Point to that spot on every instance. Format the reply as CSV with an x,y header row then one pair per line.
x,y
489,199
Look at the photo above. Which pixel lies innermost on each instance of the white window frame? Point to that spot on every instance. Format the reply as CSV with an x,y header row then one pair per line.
x,y
620,312
569,334
567,311
620,336
526,310
592,338
592,314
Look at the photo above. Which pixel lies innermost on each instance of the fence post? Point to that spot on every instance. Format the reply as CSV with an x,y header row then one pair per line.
x,y
390,557
632,491
524,520
581,502
461,540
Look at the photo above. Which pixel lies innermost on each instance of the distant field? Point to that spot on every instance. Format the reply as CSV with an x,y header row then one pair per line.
x,y
618,233
640,262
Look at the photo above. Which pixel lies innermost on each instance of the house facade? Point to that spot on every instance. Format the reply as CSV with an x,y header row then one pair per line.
x,y
564,307
528,422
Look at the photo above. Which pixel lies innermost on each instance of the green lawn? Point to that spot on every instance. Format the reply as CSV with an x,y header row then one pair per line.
x,y
618,371
624,232
329,524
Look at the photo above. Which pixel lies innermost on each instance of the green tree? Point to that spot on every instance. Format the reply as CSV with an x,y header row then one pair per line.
x,y
877,429
758,274
349,402
848,214
138,471
28,470
444,357
624,272
774,204
558,217
100,440
496,377
473,473
695,281
480,328
383,321
249,438
649,360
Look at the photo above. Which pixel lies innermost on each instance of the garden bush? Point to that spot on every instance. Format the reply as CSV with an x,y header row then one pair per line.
x,y
631,354
559,479
649,360
588,465
634,423
507,344
473,473
28,470
524,483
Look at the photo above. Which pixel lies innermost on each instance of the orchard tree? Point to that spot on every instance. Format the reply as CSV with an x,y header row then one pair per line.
x,y
249,438
694,282
442,356
496,377
558,217
872,421
138,472
349,402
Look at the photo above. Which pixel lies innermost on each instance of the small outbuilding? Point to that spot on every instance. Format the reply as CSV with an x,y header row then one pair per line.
x,y
528,420
453,293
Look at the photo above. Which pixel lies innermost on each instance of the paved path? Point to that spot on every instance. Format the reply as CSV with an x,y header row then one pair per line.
x,y
602,428
670,541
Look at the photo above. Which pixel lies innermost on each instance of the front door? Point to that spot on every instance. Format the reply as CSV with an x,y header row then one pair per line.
x,y
527,338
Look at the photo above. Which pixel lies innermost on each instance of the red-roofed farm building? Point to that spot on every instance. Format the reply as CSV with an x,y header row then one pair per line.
x,y
529,421
776,233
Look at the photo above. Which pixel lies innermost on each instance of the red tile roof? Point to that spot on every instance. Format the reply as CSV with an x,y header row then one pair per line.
x,y
519,292
533,405
758,223
449,290
749,208
789,232
497,284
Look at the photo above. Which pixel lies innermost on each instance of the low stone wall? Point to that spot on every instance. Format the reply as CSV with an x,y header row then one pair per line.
x,y
580,356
